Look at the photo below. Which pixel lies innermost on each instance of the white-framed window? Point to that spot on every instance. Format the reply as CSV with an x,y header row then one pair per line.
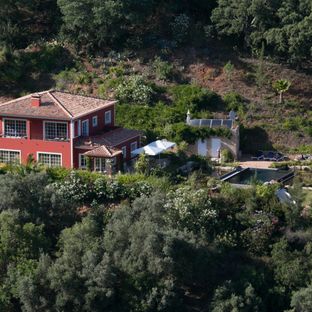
x,y
10,156
94,121
108,117
85,127
99,164
124,152
15,128
133,146
82,161
49,159
55,130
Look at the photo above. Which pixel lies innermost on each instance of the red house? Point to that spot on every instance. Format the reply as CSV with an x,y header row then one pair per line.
x,y
63,129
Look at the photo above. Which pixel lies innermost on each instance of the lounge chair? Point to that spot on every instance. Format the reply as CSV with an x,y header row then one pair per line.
x,y
269,156
259,156
279,157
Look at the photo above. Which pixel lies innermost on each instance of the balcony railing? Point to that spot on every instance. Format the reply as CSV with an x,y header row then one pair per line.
x,y
57,139
2,135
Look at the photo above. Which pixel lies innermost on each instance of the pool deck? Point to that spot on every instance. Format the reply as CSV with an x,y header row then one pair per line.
x,y
256,164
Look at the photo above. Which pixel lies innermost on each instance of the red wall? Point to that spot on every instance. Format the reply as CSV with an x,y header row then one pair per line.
x,y
119,159
27,147
101,125
35,143
128,145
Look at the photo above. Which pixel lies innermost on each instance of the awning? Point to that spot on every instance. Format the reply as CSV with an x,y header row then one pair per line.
x,y
154,148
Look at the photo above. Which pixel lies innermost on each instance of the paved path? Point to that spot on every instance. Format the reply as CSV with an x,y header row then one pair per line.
x,y
256,164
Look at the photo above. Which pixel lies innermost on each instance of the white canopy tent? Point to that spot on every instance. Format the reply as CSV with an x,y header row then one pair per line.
x,y
154,148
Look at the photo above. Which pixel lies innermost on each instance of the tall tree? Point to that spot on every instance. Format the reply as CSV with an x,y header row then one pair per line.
x,y
25,21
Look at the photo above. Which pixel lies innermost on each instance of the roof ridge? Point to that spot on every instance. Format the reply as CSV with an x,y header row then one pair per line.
x,y
17,99
59,103
88,96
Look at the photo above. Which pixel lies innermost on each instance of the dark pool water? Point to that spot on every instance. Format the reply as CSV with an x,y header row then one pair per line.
x,y
261,175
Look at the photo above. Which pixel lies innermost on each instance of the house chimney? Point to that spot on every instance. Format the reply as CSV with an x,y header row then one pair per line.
x,y
35,100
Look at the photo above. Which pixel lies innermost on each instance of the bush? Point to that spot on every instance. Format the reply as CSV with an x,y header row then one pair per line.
x,y
195,98
134,90
142,164
227,156
67,77
163,69
64,78
233,101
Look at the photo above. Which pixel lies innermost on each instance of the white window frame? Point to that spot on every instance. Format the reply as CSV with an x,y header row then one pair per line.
x,y
55,122
131,146
102,164
80,158
108,113
13,137
94,121
88,129
12,150
47,153
124,152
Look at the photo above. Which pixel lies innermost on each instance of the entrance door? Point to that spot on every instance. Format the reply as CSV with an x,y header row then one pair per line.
x,y
215,147
202,147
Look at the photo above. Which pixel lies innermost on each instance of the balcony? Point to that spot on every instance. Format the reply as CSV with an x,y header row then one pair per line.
x,y
57,139
2,135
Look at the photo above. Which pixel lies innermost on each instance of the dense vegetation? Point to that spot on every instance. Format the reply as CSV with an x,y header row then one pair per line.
x,y
71,242
284,26
158,240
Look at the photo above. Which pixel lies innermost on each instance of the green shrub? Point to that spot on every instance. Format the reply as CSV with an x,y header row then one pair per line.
x,y
142,164
71,76
117,71
233,101
163,70
64,78
130,178
228,70
134,90
226,156
84,77
195,98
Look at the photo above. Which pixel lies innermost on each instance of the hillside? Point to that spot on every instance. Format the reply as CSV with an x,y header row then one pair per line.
x,y
267,123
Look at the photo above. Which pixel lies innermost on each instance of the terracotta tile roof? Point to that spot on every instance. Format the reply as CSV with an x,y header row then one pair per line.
x,y
111,138
22,107
78,105
54,104
103,151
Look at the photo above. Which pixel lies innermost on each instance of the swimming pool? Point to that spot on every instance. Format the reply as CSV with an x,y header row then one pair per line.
x,y
246,176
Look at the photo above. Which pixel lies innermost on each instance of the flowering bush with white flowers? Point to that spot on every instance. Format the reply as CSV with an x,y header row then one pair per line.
x,y
73,188
134,90
190,208
79,190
